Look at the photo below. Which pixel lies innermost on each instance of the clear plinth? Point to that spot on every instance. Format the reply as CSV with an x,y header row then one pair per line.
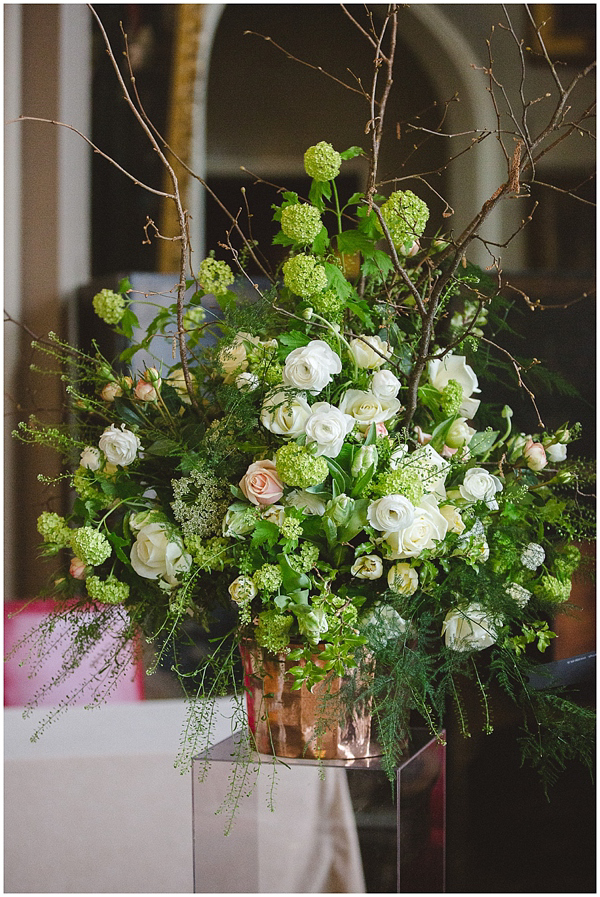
x,y
310,826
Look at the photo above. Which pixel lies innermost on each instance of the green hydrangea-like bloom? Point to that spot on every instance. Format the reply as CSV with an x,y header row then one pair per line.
x,y
86,488
405,216
268,578
452,396
304,276
568,561
209,554
553,590
273,374
402,481
291,528
109,306
328,304
90,546
301,222
298,467
214,276
53,528
322,162
272,630
305,558
107,591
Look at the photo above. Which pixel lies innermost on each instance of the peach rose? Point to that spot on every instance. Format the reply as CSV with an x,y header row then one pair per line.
x,y
260,484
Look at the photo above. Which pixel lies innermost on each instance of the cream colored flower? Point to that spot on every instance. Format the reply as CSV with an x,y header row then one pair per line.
x,y
370,351
403,578
369,566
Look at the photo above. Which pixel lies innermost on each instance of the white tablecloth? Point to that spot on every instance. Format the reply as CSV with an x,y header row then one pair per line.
x,y
96,805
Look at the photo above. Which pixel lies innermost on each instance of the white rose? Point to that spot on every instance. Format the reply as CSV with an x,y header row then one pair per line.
x,y
153,555
176,379
391,513
119,446
535,455
431,469
385,385
427,528
234,357
285,415
387,622
90,458
469,629
246,381
479,485
459,434
273,514
366,408
311,367
369,566
519,594
403,578
328,427
556,452
242,589
454,367
370,351
455,522
306,501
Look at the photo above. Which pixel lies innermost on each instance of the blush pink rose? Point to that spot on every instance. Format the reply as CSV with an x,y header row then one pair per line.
x,y
535,455
260,484
78,569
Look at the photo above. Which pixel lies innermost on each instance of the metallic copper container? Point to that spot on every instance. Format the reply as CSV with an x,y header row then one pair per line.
x,y
300,723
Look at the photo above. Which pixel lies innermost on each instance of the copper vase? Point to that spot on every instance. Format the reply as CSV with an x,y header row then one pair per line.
x,y
300,723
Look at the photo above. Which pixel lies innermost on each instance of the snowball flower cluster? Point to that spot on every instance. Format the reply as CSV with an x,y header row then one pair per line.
x,y
53,528
91,546
304,275
405,216
215,276
322,162
109,306
455,367
107,591
301,222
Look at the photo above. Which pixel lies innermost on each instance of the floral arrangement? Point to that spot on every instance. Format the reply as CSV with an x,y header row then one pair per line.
x,y
323,468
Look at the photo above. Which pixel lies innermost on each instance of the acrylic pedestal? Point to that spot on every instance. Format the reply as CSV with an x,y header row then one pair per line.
x,y
312,826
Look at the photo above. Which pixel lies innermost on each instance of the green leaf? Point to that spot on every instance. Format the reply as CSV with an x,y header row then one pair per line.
x,y
337,281
361,310
124,286
338,476
164,446
482,442
321,241
265,533
352,152
353,241
363,481
127,323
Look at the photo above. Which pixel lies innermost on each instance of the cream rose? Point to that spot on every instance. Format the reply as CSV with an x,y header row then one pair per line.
x,y
111,391
403,578
556,452
285,415
427,528
369,566
385,385
459,434
311,367
370,351
455,522
454,367
273,514
306,501
242,589
119,446
479,485
156,556
469,629
260,484
367,409
233,358
327,426
90,458
391,513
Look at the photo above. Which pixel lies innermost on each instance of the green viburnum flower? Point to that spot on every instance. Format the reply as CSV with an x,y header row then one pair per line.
x,y
297,466
452,396
405,216
322,162
301,222
553,590
305,558
90,546
272,630
291,528
304,276
53,528
87,489
568,561
107,591
109,306
328,304
268,578
209,554
402,481
215,276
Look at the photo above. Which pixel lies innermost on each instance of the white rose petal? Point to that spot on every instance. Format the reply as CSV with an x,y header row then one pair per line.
x,y
427,528
311,367
556,452
369,566
454,367
469,629
119,446
306,501
246,381
403,578
153,555
327,426
370,351
90,458
366,408
284,415
391,513
479,485
385,385
452,515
